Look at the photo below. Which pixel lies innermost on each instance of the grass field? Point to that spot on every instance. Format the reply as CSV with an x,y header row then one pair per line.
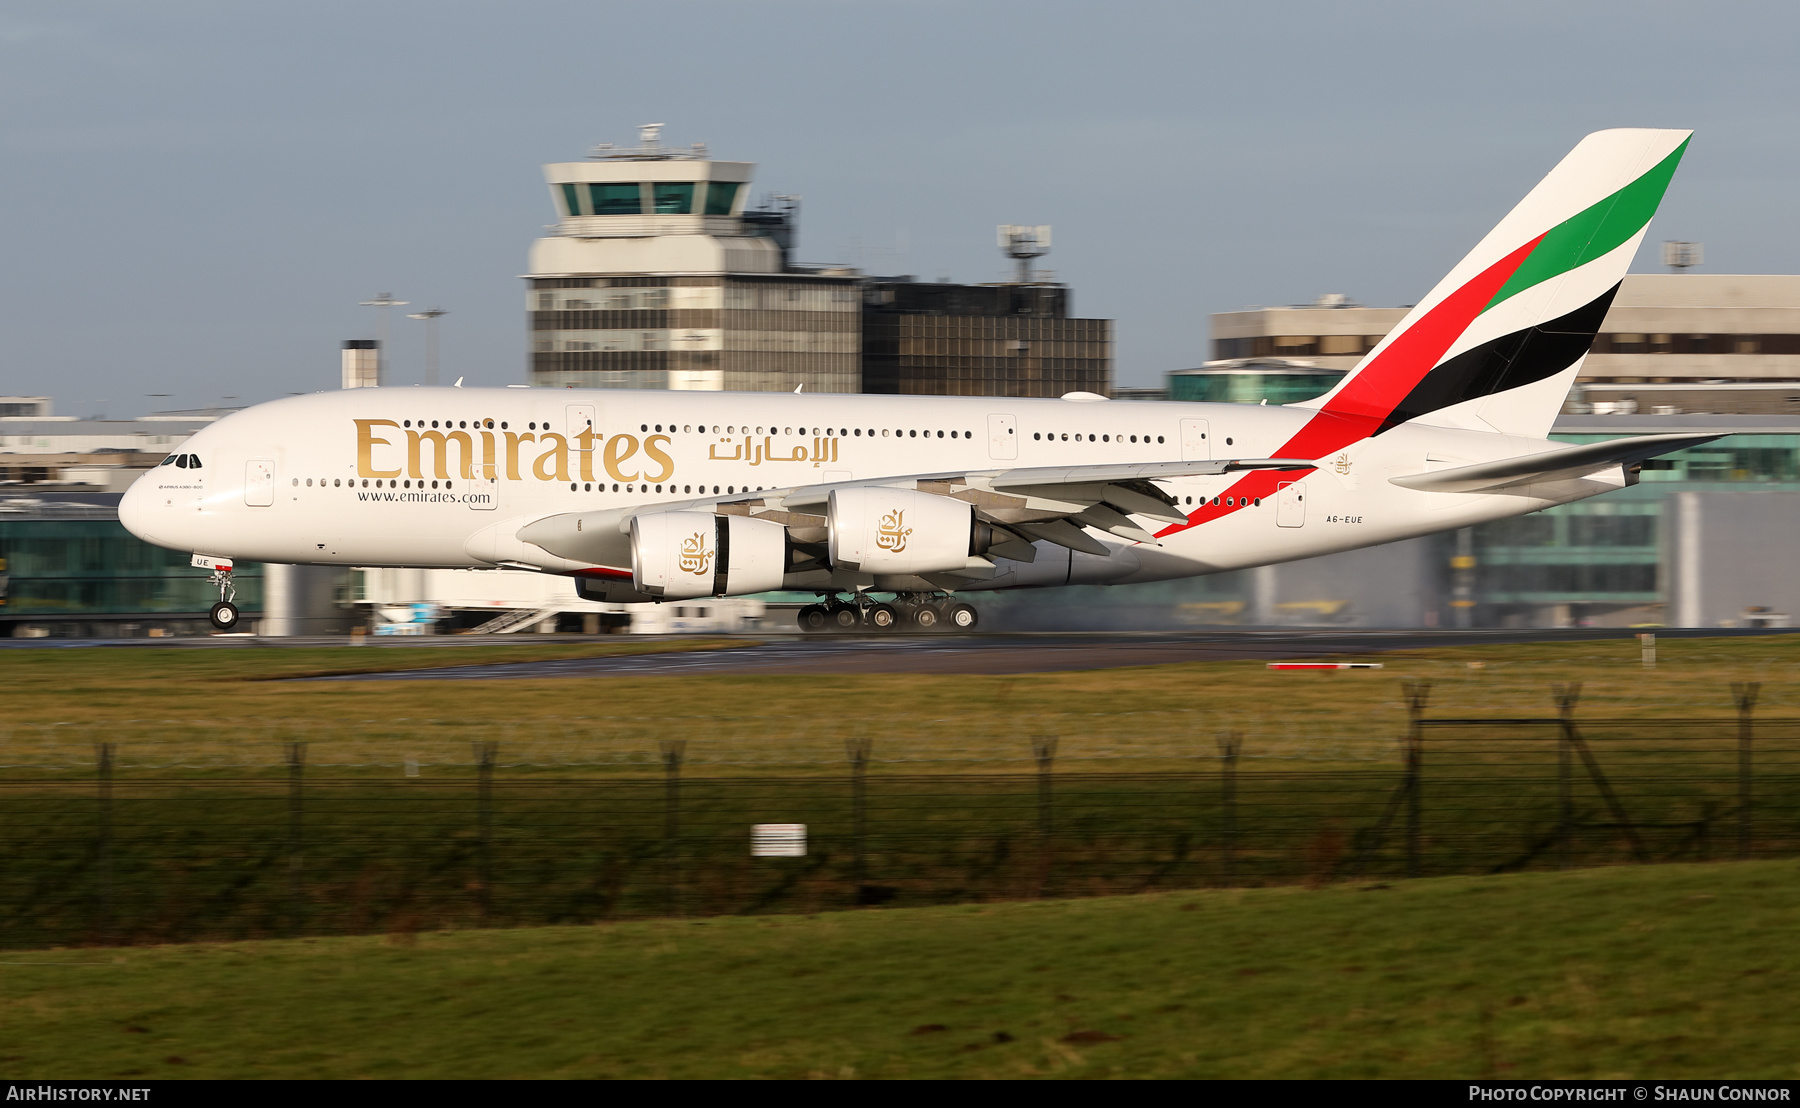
x,y
1664,971
206,836
188,709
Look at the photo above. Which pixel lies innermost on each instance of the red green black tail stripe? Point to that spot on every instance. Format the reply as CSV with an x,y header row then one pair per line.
x,y
1508,362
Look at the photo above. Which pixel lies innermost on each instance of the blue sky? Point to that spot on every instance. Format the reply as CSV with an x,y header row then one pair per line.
x,y
196,195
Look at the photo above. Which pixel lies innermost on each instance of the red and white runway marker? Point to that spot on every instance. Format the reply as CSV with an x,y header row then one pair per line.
x,y
1324,665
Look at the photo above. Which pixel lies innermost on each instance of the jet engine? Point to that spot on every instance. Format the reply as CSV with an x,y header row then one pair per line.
x,y
682,555
898,531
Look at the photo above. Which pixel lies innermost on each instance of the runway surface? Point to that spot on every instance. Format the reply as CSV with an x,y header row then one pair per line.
x,y
998,654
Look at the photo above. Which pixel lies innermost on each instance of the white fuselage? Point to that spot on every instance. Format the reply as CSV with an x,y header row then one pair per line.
x,y
445,477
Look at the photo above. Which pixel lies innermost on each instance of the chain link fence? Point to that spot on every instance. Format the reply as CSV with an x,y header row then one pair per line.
x,y
131,846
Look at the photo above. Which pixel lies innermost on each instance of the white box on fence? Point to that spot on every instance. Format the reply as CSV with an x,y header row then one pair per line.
x,y
778,840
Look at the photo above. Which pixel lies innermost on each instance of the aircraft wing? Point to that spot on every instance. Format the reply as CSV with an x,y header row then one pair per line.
x,y
1055,503
1052,503
1562,463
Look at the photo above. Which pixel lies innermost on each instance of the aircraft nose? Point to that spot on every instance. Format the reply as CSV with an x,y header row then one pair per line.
x,y
137,508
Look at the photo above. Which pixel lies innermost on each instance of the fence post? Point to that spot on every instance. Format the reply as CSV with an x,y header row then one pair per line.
x,y
103,891
1565,697
858,751
1745,693
296,763
1043,748
672,751
1417,694
1230,742
486,751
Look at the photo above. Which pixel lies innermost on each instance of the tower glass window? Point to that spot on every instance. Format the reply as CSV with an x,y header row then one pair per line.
x,y
674,197
720,196
616,199
571,200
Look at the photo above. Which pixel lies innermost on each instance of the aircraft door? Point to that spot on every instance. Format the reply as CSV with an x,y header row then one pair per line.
x,y
1195,446
1003,437
481,494
1290,504
259,482
581,417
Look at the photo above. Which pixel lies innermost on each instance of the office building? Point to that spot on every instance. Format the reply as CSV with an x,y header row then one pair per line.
x,y
1671,343
1008,339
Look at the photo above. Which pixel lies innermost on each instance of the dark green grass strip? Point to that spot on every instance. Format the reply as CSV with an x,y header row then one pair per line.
x,y
1661,971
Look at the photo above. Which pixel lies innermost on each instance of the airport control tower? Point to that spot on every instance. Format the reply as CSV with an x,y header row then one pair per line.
x,y
656,277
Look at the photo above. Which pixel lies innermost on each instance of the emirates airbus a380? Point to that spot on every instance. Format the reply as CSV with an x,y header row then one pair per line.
x,y
674,495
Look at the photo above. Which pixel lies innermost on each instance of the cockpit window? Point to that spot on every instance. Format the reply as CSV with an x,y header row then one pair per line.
x,y
181,461
193,461
170,460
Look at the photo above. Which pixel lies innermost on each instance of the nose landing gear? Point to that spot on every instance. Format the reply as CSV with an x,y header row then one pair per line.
x,y
224,614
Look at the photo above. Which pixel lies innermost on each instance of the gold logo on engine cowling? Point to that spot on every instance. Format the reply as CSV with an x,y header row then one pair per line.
x,y
695,558
890,532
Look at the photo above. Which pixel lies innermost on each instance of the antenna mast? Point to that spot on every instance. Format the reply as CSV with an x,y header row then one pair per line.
x,y
1022,244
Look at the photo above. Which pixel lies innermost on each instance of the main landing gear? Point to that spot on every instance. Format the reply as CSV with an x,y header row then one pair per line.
x,y
907,612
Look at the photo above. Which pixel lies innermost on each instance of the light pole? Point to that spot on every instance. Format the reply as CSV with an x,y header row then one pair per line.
x,y
430,316
386,302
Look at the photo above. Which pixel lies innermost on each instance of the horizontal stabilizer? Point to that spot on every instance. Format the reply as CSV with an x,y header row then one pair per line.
x,y
1563,463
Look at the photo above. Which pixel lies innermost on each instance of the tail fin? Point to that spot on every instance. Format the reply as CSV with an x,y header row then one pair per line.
x,y
1499,341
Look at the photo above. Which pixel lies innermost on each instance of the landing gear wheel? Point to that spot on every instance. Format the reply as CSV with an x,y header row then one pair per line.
x,y
961,617
813,619
926,618
884,617
224,616
846,619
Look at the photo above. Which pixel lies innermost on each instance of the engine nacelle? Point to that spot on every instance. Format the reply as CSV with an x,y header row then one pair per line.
x,y
682,555
899,531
